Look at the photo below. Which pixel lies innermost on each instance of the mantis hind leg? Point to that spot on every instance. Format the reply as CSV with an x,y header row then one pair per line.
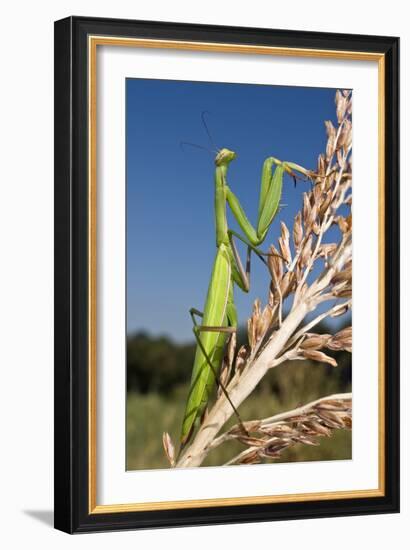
x,y
203,328
200,328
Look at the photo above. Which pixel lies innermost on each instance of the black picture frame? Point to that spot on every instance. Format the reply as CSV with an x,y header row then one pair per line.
x,y
71,485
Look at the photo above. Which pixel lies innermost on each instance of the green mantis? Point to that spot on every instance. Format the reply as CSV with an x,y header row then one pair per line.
x,y
219,317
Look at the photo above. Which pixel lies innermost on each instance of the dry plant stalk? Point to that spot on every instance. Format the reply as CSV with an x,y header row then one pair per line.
x,y
275,337
269,437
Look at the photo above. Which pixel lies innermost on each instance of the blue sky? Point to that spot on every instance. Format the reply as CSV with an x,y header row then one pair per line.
x,y
170,190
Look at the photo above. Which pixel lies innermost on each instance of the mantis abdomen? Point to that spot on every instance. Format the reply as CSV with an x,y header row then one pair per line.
x,y
214,315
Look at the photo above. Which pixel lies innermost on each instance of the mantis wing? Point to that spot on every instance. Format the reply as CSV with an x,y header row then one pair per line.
x,y
202,379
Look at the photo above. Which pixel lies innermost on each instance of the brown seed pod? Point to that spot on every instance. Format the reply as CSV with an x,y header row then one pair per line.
x,y
319,356
168,448
297,230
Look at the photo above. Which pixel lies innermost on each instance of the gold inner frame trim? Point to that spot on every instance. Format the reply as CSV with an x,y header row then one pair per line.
x,y
93,42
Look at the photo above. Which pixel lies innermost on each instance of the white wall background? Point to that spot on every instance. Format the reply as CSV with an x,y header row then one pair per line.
x,y
26,269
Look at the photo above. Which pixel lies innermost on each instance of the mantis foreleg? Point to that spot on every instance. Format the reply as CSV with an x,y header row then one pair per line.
x,y
269,199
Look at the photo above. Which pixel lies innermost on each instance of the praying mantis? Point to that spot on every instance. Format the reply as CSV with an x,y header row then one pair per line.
x,y
219,317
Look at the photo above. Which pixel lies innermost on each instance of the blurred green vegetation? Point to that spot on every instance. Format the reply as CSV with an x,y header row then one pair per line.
x,y
157,374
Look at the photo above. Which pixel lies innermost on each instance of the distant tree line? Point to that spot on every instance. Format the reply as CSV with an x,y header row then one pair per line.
x,y
160,365
157,364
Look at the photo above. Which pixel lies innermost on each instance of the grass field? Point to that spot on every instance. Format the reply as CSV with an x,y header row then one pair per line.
x,y
149,415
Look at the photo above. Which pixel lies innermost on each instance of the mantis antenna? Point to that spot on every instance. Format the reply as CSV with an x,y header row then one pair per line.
x,y
215,149
182,143
207,130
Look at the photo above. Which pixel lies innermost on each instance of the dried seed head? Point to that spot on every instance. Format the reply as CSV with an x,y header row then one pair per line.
x,y
349,222
317,193
331,137
341,341
346,140
306,209
313,215
272,296
345,333
330,129
341,105
251,426
326,250
340,157
345,137
231,348
325,205
266,319
315,355
277,430
285,250
275,264
318,428
331,419
253,323
342,276
251,333
251,441
321,165
285,231
168,448
287,284
306,253
306,440
250,458
332,405
259,329
223,376
241,358
297,230
330,180
345,292
284,243
274,450
347,421
315,341
342,223
340,311
298,273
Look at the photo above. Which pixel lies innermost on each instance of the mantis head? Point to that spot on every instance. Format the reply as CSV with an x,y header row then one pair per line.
x,y
224,157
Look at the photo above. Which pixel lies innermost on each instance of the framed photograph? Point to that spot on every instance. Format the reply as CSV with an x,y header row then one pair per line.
x,y
226,274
